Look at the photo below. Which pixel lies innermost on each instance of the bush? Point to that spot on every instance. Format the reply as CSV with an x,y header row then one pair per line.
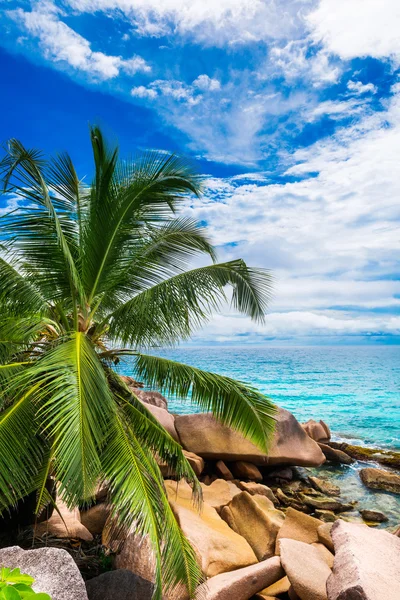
x,y
15,585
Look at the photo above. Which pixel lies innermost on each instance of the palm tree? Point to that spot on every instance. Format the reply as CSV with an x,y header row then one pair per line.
x,y
90,273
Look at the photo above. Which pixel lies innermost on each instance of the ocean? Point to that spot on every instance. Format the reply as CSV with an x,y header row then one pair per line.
x,y
355,389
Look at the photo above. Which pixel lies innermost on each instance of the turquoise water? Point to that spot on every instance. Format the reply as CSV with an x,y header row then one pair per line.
x,y
355,389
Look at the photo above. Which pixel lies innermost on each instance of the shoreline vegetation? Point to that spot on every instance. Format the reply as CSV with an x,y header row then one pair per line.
x,y
231,503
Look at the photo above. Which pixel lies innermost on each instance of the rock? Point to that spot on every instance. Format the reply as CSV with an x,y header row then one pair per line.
x,y
325,503
223,471
389,458
292,594
326,554
137,556
366,564
218,548
324,535
241,584
319,432
305,568
151,398
54,571
68,525
324,486
202,434
335,456
218,493
245,470
373,516
379,479
95,518
120,584
298,526
281,474
327,516
279,587
165,419
397,532
196,462
254,518
257,489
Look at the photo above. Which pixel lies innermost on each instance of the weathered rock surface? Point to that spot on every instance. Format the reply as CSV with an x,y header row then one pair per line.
x,y
242,584
324,535
136,555
195,461
373,516
152,398
53,569
389,458
245,470
218,493
165,419
279,587
256,519
119,585
335,456
306,569
366,564
326,554
378,479
318,431
327,516
223,471
68,525
218,548
298,526
324,486
95,518
257,489
202,434
325,503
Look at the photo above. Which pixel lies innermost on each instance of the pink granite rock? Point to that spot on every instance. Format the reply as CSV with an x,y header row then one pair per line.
x,y
366,565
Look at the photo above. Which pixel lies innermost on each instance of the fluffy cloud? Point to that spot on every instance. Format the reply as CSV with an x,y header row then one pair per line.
x,y
61,44
356,28
358,87
208,21
177,90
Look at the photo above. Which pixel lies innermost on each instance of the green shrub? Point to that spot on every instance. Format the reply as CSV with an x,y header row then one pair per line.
x,y
15,585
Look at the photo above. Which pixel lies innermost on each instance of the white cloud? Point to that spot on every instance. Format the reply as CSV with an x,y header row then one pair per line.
x,y
142,91
210,22
61,44
357,28
204,82
360,88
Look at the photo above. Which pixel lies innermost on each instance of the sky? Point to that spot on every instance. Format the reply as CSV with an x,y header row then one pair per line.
x,y
290,108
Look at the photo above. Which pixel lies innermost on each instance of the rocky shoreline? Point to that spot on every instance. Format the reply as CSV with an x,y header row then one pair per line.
x,y
271,526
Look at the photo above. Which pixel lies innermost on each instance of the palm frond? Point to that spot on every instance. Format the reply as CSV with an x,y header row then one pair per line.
x,y
232,402
173,309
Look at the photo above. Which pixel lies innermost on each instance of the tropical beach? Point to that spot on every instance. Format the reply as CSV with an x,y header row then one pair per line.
x,y
199,300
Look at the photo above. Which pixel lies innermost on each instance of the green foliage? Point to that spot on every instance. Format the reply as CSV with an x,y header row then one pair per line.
x,y
15,585
90,273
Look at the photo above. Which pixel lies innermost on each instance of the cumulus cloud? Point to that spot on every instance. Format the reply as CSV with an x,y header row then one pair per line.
x,y
357,87
357,28
61,44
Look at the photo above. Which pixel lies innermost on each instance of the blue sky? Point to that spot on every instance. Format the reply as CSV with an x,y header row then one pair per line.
x,y
291,109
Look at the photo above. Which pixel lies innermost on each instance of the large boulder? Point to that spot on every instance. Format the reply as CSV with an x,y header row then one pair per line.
x,y
298,526
324,535
136,555
256,519
324,486
64,523
306,569
165,419
243,583
153,398
318,431
54,571
223,471
202,434
218,548
95,518
379,479
120,584
366,565
258,489
217,494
